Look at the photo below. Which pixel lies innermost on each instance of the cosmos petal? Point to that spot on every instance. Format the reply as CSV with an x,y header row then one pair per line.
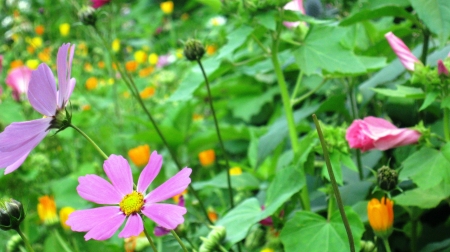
x,y
97,190
119,172
133,227
173,186
150,171
42,91
165,215
106,229
85,220
17,133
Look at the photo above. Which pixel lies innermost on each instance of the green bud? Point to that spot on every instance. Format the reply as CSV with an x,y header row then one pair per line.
x,y
14,243
193,50
367,246
11,214
214,239
387,178
87,15
61,120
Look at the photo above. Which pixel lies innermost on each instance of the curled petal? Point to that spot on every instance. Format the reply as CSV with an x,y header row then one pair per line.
x,y
119,172
403,53
133,227
64,66
165,215
173,186
85,220
97,190
150,171
42,91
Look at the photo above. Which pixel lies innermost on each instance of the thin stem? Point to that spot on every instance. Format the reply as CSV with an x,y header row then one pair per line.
x,y
311,92
334,184
150,240
386,244
260,44
61,241
179,240
25,240
90,140
330,206
216,124
297,85
221,248
426,40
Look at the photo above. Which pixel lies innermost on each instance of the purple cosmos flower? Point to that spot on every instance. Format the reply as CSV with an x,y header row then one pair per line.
x,y
295,5
18,139
403,53
18,80
102,222
161,231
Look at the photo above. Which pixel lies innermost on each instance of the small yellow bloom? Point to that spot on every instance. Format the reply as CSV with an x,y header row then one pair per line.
x,y
16,63
197,117
131,66
212,215
32,63
39,29
101,64
140,56
111,81
36,42
147,92
91,83
86,107
82,49
381,216
116,45
46,209
153,58
167,7
211,49
88,67
207,157
140,155
179,53
64,215
267,250
235,171
64,29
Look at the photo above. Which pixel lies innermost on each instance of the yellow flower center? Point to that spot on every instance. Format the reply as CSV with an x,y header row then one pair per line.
x,y
132,203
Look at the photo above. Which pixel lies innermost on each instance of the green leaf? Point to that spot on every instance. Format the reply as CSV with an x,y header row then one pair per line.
x,y
239,182
286,183
384,11
235,39
267,19
430,97
238,221
308,231
401,91
446,102
252,104
424,197
214,4
335,166
436,16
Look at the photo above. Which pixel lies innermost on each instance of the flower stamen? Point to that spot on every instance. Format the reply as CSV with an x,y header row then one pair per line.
x,y
132,203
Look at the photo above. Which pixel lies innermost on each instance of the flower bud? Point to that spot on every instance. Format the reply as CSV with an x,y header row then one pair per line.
x,y
193,50
11,214
214,239
387,178
442,69
87,15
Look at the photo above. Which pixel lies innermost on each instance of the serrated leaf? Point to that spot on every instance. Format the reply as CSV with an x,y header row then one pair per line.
x,y
436,16
252,104
235,39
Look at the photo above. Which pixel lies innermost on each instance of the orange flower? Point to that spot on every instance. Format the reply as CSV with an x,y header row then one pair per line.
x,y
381,216
91,83
146,71
86,107
207,157
16,63
212,215
131,66
88,67
147,92
46,209
211,49
39,29
197,117
140,155
64,215
44,55
176,198
101,64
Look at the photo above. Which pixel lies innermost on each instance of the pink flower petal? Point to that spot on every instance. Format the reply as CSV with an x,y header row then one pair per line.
x,y
119,172
18,79
165,215
399,137
12,167
106,229
64,66
85,220
133,227
442,69
403,53
160,231
173,186
150,172
97,190
42,91
16,134
295,5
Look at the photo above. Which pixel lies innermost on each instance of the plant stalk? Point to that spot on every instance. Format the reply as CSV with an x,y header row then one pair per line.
x,y
150,240
179,240
25,240
89,140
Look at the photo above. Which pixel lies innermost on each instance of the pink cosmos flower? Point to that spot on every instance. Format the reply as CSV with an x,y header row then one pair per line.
x,y
161,231
18,80
403,53
18,139
99,3
376,133
295,5
102,222
442,69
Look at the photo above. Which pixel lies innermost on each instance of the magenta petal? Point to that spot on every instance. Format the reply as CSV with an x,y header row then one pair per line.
x,y
133,227
64,70
397,138
160,231
18,79
85,220
150,171
16,134
173,186
119,172
442,70
42,91
106,229
165,215
403,53
12,167
97,190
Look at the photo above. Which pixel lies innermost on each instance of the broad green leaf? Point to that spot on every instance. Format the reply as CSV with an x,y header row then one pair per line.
x,y
430,97
171,134
436,16
401,91
347,161
238,221
235,39
207,138
384,11
267,19
308,231
335,166
424,197
252,104
214,4
238,182
286,183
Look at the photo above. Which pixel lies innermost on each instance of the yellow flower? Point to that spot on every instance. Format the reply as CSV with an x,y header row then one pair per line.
x,y
116,45
64,29
211,49
39,29
44,56
153,58
207,157
267,250
88,67
167,7
91,83
111,81
140,155
381,216
86,107
140,56
179,53
64,215
46,209
197,117
32,63
147,92
234,171
82,49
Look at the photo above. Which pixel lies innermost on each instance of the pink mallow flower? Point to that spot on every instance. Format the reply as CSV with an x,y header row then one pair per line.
x,y
376,133
403,53
18,80
19,138
129,204
99,3
295,5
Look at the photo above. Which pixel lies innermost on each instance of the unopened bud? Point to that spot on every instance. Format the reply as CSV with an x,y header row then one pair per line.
x,y
87,15
11,214
193,50
442,69
214,239
387,178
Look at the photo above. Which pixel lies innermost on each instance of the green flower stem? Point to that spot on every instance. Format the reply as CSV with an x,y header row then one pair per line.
x,y
297,85
260,44
330,205
179,240
135,92
61,241
150,240
25,240
426,40
89,140
304,196
216,124
334,184
303,97
386,244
